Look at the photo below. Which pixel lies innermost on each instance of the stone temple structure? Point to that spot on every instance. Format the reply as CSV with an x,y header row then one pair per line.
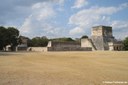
x,y
101,39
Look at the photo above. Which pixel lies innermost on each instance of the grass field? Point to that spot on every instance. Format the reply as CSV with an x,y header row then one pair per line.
x,y
64,68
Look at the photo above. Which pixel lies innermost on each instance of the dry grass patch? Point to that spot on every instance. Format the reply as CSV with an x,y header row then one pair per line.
x,y
63,68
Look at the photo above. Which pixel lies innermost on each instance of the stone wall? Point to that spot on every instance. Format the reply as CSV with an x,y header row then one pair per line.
x,y
66,46
97,31
38,49
69,49
85,42
100,43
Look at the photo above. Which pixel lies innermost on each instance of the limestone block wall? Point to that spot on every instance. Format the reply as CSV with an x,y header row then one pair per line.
x,y
38,49
85,42
111,46
22,48
97,31
69,49
105,43
49,44
102,31
65,44
98,42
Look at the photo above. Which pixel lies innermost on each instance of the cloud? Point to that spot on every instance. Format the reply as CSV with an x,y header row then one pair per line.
x,y
26,27
85,19
80,3
33,17
117,25
124,5
12,11
50,17
77,30
120,28
15,10
43,11
61,1
39,19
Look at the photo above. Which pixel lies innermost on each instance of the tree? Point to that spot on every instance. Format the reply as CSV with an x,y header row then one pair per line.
x,y
3,37
8,36
29,43
63,39
13,37
84,36
38,42
125,42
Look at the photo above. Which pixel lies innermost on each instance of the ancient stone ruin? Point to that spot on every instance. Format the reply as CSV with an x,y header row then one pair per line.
x,y
101,39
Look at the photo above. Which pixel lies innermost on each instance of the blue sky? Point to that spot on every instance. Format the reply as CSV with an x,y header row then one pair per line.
x,y
64,18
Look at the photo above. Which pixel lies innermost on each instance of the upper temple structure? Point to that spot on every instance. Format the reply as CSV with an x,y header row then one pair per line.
x,y
102,39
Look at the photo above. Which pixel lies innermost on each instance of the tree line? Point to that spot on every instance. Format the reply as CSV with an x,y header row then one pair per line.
x,y
10,36
43,41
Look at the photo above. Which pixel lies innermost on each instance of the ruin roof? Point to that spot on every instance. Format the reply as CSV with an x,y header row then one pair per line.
x,y
100,26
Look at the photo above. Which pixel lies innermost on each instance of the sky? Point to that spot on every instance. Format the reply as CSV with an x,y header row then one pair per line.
x,y
64,18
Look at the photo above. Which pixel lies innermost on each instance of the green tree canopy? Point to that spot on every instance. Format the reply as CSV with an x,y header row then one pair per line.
x,y
3,37
125,42
8,36
38,42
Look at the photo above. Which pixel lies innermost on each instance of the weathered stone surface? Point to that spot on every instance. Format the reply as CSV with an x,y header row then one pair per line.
x,y
102,31
86,42
98,41
102,36
67,46
38,49
69,49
